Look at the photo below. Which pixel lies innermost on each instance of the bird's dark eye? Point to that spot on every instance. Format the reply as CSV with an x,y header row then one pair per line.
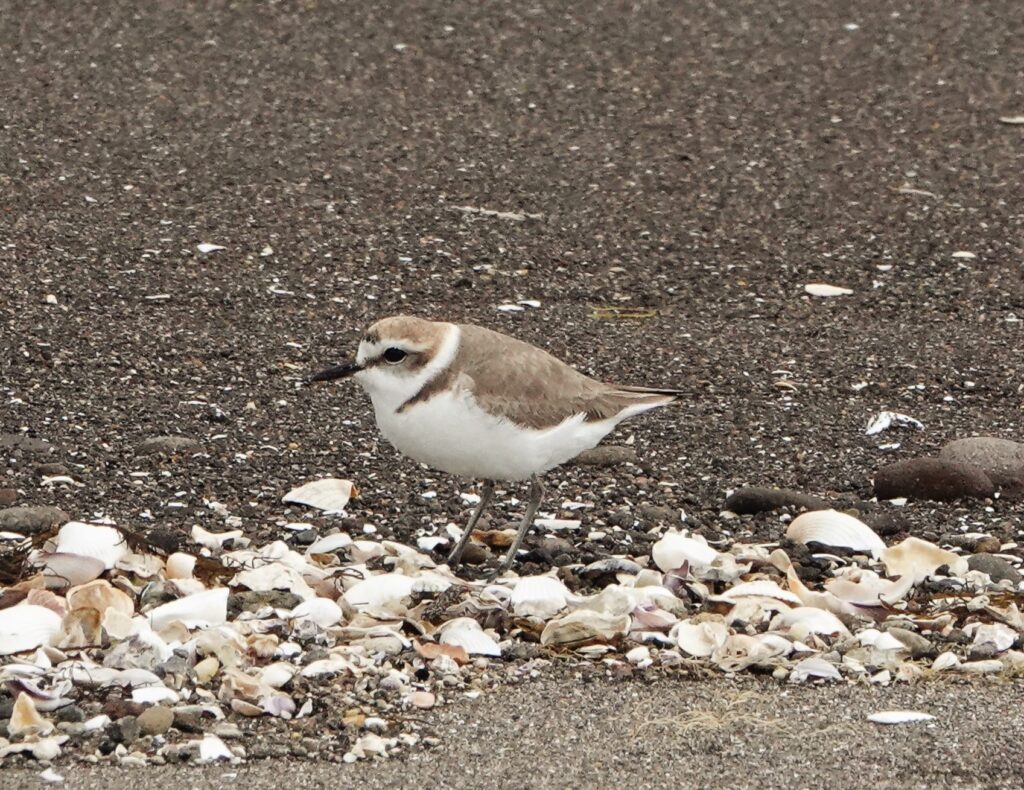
x,y
394,355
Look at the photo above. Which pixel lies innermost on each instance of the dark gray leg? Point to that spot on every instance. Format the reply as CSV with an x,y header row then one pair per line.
x,y
486,492
536,495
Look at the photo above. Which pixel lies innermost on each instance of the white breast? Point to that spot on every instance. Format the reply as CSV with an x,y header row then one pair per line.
x,y
452,433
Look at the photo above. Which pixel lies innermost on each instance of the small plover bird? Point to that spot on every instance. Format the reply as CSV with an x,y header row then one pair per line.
x,y
479,404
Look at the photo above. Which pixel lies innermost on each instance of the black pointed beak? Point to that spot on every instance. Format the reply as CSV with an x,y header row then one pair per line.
x,y
337,372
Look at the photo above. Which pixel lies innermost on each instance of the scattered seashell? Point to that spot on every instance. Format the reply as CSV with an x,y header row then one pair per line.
x,y
329,494
26,720
1013,120
899,717
804,620
25,627
422,699
383,591
814,668
758,588
699,639
466,633
994,637
101,596
919,559
676,548
557,524
891,419
832,528
213,540
431,650
212,748
180,566
322,611
945,661
201,610
539,596
105,544
825,290
330,543
585,625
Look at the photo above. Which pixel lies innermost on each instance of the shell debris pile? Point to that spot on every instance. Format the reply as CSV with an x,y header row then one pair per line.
x,y
110,651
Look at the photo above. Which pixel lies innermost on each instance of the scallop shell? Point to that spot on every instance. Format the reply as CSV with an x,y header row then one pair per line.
x,y
919,559
675,548
105,544
832,528
26,627
539,596
585,625
465,632
201,610
329,494
699,640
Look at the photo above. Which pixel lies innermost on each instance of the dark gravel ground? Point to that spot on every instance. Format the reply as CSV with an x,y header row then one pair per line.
x,y
693,166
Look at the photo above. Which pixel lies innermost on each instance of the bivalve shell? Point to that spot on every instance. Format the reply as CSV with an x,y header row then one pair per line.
x,y
832,528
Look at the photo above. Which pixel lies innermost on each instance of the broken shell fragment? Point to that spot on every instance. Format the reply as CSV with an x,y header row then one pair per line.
x,y
26,720
814,668
676,548
833,528
68,570
899,717
919,559
329,494
699,640
584,626
101,596
200,610
465,632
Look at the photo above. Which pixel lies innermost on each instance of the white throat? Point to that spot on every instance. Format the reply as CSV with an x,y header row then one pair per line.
x,y
389,388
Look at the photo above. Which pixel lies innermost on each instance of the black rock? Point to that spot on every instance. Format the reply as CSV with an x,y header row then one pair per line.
x,y
996,567
167,445
30,520
932,478
754,499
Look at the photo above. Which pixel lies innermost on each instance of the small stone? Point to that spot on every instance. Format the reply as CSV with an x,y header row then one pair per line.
x,y
156,720
30,520
621,518
14,442
167,445
254,600
52,470
974,542
554,545
606,456
188,721
997,568
306,537
932,478
125,730
657,514
918,646
71,714
475,554
754,499
1001,459
8,496
120,708
166,541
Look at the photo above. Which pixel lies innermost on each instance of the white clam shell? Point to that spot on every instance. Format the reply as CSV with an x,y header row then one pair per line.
x,y
945,661
465,632
866,588
675,548
212,748
201,610
758,588
919,559
382,591
330,494
277,674
26,627
322,611
180,566
151,695
899,717
699,640
213,540
832,528
880,640
68,570
330,543
539,596
826,290
103,543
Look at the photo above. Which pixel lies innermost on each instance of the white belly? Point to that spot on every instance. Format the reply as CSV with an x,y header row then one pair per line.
x,y
453,434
